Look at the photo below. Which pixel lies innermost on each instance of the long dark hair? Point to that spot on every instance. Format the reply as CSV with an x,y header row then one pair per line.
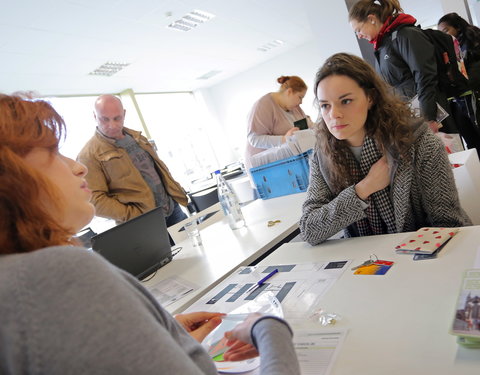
x,y
468,35
388,121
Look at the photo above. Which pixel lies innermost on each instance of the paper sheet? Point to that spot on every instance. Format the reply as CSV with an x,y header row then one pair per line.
x,y
272,154
476,264
170,290
301,141
298,287
317,349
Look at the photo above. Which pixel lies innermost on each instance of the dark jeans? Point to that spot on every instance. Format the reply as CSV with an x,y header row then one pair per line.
x,y
177,216
465,116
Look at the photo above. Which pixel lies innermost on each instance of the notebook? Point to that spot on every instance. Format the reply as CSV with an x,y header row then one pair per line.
x,y
425,240
139,246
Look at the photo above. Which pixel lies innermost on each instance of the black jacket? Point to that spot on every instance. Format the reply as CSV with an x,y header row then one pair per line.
x,y
472,64
406,60
470,45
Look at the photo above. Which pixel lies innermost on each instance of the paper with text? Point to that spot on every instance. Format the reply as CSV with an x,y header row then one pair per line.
x,y
170,290
317,349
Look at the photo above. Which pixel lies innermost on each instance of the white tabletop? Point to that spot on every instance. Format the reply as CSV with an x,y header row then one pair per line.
x,y
397,323
225,249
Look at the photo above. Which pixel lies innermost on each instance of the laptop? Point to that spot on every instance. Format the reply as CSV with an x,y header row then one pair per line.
x,y
139,246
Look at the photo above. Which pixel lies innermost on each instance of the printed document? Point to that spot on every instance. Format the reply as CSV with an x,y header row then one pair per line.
x,y
317,349
170,290
297,287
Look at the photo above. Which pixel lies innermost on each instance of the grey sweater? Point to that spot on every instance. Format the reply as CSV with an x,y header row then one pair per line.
x,y
65,310
423,193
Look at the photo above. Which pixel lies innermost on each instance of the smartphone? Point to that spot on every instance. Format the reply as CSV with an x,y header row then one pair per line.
x,y
301,124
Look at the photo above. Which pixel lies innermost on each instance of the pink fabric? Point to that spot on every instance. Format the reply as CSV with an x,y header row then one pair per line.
x,y
268,118
459,55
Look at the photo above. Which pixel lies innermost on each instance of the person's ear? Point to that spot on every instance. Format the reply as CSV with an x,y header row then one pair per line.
x,y
372,19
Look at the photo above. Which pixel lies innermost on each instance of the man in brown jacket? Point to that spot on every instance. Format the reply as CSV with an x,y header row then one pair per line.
x,y
125,174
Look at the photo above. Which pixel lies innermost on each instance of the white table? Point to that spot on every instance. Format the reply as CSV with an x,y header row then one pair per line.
x,y
398,323
225,249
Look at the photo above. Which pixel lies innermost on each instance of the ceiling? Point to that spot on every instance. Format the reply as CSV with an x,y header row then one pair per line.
x,y
51,46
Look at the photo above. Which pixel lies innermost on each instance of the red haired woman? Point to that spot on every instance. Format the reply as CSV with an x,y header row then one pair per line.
x,y
67,310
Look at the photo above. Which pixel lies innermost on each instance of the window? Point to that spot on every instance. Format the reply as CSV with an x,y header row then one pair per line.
x,y
176,125
77,113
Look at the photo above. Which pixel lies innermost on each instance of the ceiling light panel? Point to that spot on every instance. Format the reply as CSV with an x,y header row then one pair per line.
x,y
109,68
270,45
210,74
191,20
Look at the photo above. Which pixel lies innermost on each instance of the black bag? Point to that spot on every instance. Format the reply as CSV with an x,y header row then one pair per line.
x,y
451,81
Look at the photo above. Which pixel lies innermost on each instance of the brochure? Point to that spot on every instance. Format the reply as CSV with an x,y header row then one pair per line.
x,y
466,323
442,114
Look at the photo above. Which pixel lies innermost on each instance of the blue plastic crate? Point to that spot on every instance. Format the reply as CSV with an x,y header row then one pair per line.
x,y
282,177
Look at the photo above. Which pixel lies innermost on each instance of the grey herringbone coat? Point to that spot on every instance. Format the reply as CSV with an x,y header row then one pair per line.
x,y
422,191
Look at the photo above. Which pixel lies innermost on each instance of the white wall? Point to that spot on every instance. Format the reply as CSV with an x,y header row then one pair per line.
x,y
475,12
230,101
457,6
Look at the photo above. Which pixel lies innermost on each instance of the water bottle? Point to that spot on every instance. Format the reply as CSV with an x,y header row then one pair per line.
x,y
229,202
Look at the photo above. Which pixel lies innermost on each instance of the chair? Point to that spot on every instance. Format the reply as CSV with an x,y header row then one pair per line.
x,y
467,179
96,225
204,218
204,198
85,237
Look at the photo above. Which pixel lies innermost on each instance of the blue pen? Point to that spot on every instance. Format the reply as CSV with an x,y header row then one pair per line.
x,y
262,281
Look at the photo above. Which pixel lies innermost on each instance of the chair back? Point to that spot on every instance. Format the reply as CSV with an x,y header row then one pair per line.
x,y
204,198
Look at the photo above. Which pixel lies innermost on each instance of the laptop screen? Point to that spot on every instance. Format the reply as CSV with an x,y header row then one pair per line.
x,y
139,246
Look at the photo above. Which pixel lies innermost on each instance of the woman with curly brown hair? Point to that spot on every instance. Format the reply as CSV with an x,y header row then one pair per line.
x,y
376,168
67,310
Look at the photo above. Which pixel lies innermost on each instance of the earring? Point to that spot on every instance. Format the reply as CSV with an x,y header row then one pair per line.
x,y
373,22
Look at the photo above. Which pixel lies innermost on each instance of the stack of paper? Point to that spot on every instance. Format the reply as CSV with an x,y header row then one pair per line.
x,y
270,155
300,141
